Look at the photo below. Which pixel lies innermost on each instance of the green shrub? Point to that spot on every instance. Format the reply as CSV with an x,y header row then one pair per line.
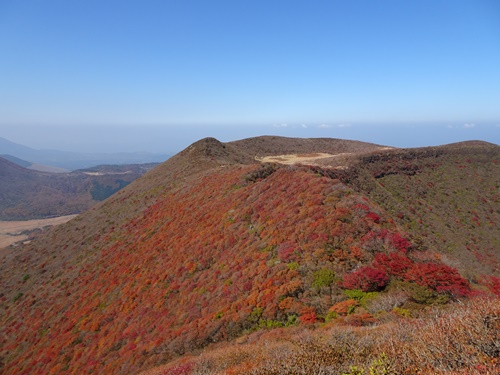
x,y
331,315
379,366
354,370
402,312
270,324
420,294
291,320
323,277
360,296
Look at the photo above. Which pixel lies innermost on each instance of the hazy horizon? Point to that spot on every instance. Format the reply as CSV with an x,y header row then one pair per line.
x,y
158,75
171,139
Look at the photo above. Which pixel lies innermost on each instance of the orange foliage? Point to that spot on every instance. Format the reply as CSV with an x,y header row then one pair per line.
x,y
190,269
344,307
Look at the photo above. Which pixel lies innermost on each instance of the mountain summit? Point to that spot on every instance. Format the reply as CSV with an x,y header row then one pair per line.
x,y
216,244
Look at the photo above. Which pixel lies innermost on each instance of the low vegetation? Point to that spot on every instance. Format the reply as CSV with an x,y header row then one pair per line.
x,y
220,266
458,340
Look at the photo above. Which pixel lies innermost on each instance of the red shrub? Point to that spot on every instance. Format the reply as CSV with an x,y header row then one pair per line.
x,y
359,320
373,216
361,207
368,279
308,315
285,251
395,264
399,242
439,277
493,284
344,307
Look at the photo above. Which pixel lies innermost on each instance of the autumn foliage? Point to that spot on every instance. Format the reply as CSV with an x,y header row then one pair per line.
x,y
459,340
193,259
368,279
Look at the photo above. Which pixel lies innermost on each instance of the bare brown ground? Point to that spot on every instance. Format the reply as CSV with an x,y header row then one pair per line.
x,y
295,158
318,158
10,231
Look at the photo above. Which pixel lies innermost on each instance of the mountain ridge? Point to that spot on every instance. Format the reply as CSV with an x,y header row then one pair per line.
x,y
212,245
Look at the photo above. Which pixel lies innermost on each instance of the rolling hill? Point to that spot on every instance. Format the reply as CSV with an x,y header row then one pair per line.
x,y
32,166
223,264
27,194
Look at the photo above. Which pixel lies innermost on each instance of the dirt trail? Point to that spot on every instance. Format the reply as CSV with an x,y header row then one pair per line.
x,y
10,231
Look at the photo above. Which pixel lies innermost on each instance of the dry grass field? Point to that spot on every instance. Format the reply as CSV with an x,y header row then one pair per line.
x,y
15,231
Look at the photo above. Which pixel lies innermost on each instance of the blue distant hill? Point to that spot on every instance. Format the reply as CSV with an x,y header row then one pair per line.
x,y
13,159
73,160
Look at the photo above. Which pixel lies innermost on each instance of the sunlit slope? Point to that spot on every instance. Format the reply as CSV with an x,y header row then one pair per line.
x,y
447,198
209,246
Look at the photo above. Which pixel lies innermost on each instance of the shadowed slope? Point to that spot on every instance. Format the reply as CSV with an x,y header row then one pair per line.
x,y
27,194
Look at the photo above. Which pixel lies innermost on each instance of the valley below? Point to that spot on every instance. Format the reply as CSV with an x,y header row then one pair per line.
x,y
12,232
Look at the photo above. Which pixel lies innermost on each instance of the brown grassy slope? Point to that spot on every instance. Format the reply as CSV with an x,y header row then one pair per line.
x,y
458,340
447,198
274,145
198,250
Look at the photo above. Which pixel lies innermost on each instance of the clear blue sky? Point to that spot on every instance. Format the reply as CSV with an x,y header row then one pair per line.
x,y
180,70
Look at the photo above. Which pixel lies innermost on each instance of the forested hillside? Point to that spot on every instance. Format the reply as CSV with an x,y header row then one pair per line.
x,y
215,253
28,194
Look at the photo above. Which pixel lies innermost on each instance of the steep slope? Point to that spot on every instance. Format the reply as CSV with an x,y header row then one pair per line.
x,y
27,194
211,245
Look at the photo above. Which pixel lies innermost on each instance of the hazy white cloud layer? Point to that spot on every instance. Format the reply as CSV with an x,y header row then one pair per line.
x,y
171,139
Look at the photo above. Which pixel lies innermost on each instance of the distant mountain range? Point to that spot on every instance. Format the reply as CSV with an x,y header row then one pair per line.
x,y
268,255
73,160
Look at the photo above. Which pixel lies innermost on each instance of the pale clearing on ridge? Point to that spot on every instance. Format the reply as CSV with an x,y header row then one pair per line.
x,y
10,231
105,173
297,158
317,158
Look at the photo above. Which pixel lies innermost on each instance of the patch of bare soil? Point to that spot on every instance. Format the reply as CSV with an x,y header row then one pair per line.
x,y
15,231
322,159
294,158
